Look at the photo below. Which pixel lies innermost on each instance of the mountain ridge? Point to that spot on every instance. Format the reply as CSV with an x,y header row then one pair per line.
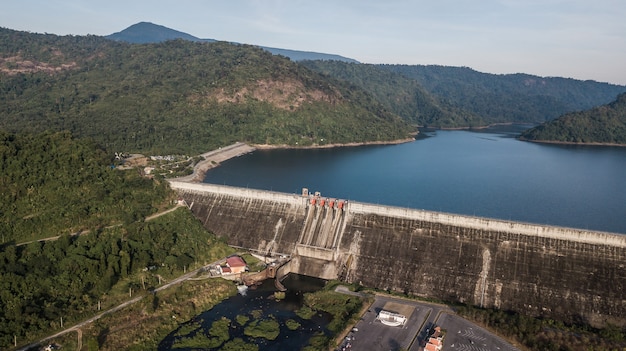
x,y
517,97
179,96
148,32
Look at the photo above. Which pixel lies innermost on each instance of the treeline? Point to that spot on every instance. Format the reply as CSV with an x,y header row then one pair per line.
x,y
604,125
546,334
52,184
178,96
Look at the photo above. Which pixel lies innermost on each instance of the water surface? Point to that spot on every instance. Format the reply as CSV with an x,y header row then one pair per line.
x,y
259,304
487,174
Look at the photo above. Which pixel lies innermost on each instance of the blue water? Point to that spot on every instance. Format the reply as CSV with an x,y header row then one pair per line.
x,y
487,174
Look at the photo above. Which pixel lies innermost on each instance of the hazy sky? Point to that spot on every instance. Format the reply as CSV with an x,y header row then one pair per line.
x,y
582,39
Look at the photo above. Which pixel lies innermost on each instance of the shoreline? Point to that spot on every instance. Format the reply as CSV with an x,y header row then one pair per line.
x,y
328,146
213,158
485,126
570,143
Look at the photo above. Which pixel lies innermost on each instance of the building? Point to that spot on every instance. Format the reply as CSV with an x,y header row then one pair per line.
x,y
435,340
391,319
234,265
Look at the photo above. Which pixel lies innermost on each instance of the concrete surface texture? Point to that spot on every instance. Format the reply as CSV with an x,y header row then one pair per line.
x,y
563,273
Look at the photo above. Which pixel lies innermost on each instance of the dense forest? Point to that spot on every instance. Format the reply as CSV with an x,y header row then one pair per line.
x,y
178,96
600,125
54,186
399,94
508,98
69,279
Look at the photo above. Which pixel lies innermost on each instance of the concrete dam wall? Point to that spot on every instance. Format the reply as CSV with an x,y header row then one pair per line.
x,y
540,270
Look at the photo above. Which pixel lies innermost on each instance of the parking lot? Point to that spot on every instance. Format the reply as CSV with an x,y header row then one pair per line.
x,y
370,334
466,336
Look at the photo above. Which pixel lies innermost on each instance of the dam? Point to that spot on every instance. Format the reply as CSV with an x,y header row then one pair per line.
x,y
563,273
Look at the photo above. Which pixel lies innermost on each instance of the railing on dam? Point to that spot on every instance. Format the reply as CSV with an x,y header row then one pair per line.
x,y
239,192
551,232
496,225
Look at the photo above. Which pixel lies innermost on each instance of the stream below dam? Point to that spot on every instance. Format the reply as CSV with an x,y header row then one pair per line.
x,y
256,304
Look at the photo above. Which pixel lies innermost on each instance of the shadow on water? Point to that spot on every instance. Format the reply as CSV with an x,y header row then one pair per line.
x,y
259,304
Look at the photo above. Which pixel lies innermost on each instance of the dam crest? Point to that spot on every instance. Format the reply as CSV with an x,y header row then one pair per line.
x,y
557,272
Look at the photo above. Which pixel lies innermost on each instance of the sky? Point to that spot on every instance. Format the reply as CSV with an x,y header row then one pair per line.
x,y
580,39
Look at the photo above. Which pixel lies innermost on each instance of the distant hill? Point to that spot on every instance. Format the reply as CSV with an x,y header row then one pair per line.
x,y
600,125
178,96
403,96
499,98
146,32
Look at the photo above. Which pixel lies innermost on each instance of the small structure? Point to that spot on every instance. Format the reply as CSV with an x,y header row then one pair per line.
x,y
435,340
234,265
391,319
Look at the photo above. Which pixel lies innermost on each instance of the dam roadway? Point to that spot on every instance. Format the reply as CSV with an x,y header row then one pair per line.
x,y
563,273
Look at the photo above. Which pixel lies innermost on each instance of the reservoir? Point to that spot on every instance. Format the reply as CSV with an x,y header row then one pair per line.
x,y
487,174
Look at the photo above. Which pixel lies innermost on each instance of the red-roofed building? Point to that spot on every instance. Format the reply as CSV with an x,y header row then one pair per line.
x,y
435,340
236,264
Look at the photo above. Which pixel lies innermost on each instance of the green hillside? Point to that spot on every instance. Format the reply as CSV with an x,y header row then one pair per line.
x,y
508,98
401,95
601,125
178,96
53,185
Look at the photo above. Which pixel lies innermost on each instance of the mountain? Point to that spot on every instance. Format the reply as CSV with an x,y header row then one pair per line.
x,y
501,98
178,96
457,97
600,125
146,32
401,95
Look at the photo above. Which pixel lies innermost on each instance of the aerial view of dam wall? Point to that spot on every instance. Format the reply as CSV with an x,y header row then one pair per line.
x,y
558,272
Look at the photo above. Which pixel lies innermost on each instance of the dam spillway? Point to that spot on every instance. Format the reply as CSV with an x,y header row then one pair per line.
x,y
549,271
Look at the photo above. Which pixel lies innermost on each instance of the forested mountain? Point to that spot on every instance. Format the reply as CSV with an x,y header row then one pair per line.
x,y
499,98
178,96
600,125
146,32
404,96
